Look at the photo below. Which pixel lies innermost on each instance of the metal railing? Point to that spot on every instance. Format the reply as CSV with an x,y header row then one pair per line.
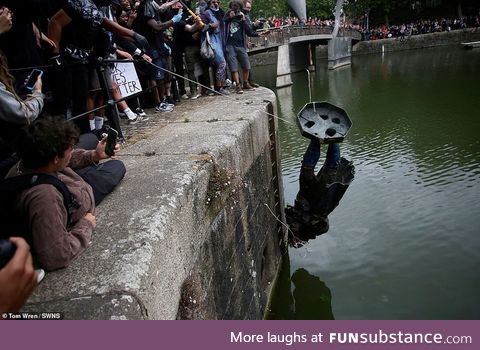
x,y
281,36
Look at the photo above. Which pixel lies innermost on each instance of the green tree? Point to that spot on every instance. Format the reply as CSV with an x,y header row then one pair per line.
x,y
269,8
383,8
320,8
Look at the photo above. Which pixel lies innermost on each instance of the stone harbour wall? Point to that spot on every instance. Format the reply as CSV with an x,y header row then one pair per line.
x,y
191,231
455,37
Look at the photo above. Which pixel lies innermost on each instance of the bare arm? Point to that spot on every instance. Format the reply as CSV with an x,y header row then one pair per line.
x,y
159,26
55,28
117,29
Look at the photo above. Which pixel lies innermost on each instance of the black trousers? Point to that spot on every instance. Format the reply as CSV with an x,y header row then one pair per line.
x,y
103,177
177,58
70,86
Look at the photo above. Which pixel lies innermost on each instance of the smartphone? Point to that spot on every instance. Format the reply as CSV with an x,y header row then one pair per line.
x,y
7,251
111,142
32,79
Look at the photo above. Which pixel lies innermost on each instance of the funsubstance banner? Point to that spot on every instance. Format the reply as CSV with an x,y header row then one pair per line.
x,y
325,335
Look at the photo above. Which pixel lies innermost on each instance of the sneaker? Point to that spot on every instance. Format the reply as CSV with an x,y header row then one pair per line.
x,y
137,119
238,89
195,96
253,84
247,86
140,112
163,107
184,97
223,91
169,101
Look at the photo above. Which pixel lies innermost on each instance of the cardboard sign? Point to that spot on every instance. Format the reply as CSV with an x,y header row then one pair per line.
x,y
125,75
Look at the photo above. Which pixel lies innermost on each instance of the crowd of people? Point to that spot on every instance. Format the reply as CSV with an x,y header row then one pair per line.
x,y
54,159
377,32
280,22
419,27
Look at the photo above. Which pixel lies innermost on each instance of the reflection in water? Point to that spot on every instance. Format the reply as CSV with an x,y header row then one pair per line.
x,y
405,238
311,299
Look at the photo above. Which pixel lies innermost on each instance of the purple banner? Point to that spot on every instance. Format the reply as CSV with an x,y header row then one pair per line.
x,y
223,335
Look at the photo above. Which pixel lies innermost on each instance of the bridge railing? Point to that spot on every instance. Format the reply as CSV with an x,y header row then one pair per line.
x,y
281,36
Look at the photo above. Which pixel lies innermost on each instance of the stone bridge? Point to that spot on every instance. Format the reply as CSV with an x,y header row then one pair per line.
x,y
296,48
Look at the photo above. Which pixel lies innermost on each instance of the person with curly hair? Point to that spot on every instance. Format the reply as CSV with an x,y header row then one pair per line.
x,y
58,235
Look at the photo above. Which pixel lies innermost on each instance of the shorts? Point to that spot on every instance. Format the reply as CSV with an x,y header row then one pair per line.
x,y
234,53
156,73
94,82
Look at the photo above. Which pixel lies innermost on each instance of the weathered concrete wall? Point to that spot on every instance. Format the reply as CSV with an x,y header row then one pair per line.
x,y
284,67
189,233
416,42
339,52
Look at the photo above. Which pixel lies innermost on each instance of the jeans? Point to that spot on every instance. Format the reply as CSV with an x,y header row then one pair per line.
x,y
311,156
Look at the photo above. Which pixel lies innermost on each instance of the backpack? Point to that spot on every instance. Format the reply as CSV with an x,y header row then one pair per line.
x,y
10,224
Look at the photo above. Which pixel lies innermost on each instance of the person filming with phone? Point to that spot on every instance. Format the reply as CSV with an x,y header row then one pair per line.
x,y
15,112
58,226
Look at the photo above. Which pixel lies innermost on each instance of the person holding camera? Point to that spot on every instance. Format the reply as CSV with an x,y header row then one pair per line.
x,y
18,278
237,30
59,234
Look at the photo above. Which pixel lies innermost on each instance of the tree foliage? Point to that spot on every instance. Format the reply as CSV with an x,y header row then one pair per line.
x,y
280,8
270,8
320,8
410,9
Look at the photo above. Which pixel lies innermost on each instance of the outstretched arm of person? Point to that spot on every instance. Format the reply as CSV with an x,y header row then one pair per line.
x,y
55,29
120,31
17,279
21,112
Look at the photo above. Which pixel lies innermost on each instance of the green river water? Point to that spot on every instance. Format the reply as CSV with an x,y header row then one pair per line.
x,y
404,243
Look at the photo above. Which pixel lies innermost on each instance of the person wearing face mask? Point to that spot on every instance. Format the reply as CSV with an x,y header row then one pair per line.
x,y
212,15
186,43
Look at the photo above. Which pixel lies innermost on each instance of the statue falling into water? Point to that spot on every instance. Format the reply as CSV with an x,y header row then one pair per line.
x,y
319,193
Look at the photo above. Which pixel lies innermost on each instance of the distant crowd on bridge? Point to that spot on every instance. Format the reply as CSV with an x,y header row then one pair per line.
x,y
423,26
